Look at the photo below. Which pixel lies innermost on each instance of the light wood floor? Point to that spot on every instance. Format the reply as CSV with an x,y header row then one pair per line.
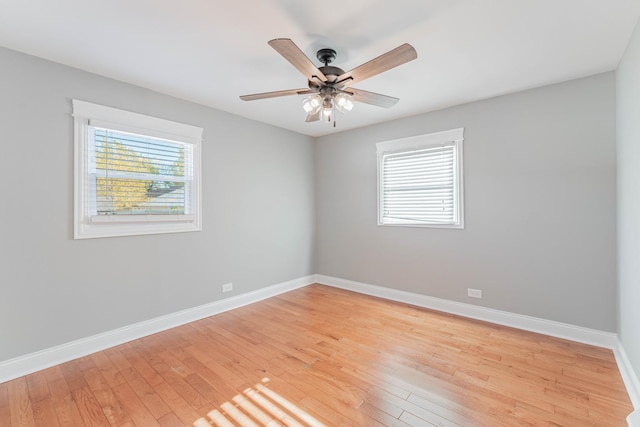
x,y
320,356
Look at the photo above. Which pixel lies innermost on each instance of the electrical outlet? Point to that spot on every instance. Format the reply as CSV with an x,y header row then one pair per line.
x,y
474,293
227,288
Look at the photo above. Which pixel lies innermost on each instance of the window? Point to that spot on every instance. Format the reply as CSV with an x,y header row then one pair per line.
x,y
134,174
420,180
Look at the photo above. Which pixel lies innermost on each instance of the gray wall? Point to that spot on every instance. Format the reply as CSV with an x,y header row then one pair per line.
x,y
258,214
540,185
539,199
628,134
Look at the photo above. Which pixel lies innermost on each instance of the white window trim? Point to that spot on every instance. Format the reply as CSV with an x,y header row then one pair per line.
x,y
455,136
86,227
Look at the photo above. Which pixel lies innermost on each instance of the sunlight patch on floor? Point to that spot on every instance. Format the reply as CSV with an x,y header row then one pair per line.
x,y
259,406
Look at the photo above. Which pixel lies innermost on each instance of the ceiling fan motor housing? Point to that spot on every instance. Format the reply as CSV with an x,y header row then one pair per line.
x,y
331,73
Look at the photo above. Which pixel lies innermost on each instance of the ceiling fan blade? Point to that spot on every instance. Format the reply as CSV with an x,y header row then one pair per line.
x,y
297,58
372,98
398,56
313,117
276,94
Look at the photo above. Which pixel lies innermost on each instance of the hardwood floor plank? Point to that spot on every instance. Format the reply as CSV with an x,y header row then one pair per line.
x,y
103,391
53,373
5,416
4,395
415,405
325,392
259,355
446,396
322,356
441,415
20,403
206,390
44,414
392,407
85,363
223,375
170,420
415,421
117,358
183,410
383,417
182,387
89,408
358,370
38,387
73,375
328,415
238,363
134,407
145,370
108,370
147,395
215,385
606,407
62,400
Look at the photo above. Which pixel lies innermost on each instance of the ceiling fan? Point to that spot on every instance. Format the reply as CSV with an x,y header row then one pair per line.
x,y
329,88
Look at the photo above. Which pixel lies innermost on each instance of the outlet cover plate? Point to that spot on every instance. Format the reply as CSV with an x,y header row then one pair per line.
x,y
227,287
474,293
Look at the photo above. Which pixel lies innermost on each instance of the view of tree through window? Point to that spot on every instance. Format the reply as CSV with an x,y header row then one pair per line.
x,y
136,174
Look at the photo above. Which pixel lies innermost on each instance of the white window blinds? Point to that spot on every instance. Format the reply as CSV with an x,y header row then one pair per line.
x,y
138,175
420,180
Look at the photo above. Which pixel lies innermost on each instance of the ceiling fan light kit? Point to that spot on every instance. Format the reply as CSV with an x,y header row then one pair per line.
x,y
312,103
329,87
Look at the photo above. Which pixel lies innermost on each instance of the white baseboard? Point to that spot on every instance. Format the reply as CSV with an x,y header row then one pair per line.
x,y
519,321
23,365
630,378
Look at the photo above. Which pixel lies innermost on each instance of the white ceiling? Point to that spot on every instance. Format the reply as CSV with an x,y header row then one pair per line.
x,y
212,51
